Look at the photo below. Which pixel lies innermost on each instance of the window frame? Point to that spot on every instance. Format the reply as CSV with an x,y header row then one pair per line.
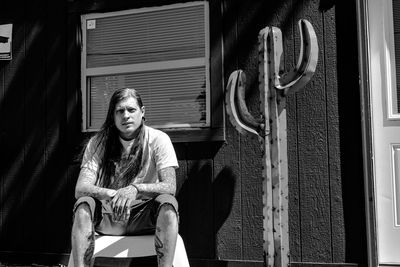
x,y
214,130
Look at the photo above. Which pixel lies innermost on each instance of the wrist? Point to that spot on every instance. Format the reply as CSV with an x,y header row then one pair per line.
x,y
110,193
136,187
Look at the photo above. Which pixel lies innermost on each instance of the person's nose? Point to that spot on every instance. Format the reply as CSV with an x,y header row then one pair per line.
x,y
125,114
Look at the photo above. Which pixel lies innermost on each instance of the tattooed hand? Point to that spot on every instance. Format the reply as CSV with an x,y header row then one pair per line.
x,y
122,201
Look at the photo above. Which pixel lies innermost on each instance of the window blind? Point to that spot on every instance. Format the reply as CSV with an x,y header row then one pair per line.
x,y
147,37
171,97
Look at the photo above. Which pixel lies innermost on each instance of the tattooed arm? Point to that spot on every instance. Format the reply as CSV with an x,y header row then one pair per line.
x,y
165,159
167,184
85,186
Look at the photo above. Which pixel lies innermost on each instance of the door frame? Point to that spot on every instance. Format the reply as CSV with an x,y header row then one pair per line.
x,y
367,144
365,77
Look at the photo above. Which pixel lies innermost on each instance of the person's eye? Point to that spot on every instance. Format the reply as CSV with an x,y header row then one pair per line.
x,y
131,110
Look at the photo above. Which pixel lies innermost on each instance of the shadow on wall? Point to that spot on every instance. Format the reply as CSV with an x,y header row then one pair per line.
x,y
205,204
350,135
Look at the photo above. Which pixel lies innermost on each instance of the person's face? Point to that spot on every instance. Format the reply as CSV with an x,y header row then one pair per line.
x,y
128,117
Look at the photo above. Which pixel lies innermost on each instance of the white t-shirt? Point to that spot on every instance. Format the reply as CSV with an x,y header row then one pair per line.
x,y
158,153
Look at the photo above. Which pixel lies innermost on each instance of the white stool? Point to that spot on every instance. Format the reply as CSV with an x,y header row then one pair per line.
x,y
133,246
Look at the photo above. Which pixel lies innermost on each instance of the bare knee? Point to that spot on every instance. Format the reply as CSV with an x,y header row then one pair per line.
x,y
83,215
167,214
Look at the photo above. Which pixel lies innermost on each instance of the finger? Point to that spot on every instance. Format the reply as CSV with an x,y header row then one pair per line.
x,y
114,201
120,206
128,209
124,207
115,204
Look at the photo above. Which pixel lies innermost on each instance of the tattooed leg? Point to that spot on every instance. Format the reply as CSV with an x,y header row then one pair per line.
x,y
159,246
82,237
88,257
166,234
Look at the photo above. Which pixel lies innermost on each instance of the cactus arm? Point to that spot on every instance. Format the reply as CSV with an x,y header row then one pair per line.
x,y
307,61
240,98
236,107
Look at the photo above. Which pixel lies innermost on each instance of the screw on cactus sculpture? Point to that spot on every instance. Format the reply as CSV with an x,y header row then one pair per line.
x,y
274,85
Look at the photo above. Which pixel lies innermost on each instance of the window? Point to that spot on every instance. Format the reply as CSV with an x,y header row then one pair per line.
x,y
163,52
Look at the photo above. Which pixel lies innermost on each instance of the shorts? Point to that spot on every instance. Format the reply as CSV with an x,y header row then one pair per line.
x,y
142,220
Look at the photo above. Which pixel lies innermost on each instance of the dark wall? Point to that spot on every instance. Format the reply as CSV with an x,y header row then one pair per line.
x,y
35,181
220,195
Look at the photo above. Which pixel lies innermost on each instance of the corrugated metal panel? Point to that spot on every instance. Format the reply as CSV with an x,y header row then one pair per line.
x,y
174,96
158,35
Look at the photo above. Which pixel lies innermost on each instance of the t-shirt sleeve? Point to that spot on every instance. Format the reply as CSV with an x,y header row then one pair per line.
x,y
90,160
164,153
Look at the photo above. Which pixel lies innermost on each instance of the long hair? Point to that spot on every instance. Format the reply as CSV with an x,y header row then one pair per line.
x,y
108,147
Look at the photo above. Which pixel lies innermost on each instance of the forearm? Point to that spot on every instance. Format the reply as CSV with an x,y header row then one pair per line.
x,y
93,191
166,185
86,186
157,188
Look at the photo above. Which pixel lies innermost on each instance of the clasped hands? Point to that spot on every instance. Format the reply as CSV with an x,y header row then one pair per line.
x,y
121,201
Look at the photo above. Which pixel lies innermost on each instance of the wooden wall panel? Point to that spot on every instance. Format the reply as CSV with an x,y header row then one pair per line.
x,y
289,26
34,125
196,207
57,164
251,18
228,225
74,138
313,153
333,134
350,135
227,200
14,136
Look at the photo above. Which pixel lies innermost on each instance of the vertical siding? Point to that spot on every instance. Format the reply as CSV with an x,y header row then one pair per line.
x,y
33,110
34,124
313,148
249,24
350,124
291,52
333,133
196,209
73,110
229,227
13,144
56,156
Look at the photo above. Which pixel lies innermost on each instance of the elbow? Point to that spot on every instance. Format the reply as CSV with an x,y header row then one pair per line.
x,y
173,190
78,192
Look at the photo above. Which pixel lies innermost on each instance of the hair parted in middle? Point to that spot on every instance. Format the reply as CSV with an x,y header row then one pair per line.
x,y
108,146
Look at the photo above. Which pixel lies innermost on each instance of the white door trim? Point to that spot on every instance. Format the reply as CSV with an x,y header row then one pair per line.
x,y
381,129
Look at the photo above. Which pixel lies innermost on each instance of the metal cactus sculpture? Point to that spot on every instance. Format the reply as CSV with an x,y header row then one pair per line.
x,y
270,128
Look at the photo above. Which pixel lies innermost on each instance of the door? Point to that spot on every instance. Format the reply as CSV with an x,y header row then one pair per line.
x,y
384,128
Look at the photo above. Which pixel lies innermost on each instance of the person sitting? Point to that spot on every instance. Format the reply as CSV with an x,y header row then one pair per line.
x,y
127,183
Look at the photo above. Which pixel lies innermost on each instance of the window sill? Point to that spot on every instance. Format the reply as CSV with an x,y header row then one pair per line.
x,y
188,135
